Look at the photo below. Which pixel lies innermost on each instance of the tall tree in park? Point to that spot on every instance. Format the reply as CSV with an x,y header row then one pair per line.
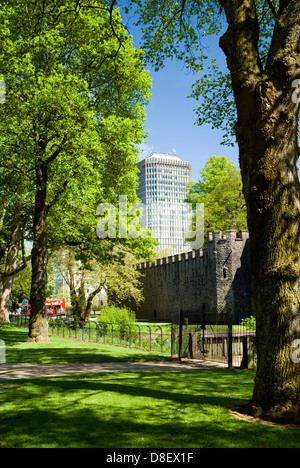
x,y
220,190
75,96
14,206
258,99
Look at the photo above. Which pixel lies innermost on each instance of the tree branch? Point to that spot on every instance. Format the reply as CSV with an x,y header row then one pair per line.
x,y
55,154
57,195
272,8
111,9
182,12
284,54
23,265
240,43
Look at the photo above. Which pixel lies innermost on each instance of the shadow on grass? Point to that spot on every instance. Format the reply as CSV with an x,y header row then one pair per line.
x,y
145,409
12,335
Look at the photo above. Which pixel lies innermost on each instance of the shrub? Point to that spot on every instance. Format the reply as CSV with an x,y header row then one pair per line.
x,y
115,315
249,323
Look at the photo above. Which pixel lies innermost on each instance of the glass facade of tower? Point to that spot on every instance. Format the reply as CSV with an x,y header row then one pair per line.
x,y
163,179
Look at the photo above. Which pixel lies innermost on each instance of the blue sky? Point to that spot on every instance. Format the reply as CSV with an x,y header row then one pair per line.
x,y
171,115
171,121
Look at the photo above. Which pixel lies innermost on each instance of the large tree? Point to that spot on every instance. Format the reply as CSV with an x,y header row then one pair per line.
x,y
261,41
75,96
14,205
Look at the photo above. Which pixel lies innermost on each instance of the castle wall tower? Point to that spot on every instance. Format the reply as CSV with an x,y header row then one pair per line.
x,y
210,283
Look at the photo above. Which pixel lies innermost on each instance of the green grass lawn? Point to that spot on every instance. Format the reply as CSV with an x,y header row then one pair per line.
x,y
61,350
186,409
140,410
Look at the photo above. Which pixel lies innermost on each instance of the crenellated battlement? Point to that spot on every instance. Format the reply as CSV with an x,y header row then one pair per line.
x,y
214,241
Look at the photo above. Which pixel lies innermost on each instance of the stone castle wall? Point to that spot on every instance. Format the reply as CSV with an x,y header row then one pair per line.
x,y
208,283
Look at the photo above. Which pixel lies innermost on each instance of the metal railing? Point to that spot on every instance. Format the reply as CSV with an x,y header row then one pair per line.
x,y
233,344
154,338
216,338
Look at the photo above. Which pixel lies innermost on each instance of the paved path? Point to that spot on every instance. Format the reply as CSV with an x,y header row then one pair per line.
x,y
11,371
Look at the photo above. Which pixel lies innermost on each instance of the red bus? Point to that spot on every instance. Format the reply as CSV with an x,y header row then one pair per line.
x,y
53,307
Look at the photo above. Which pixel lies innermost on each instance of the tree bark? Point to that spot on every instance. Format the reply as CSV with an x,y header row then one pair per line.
x,y
7,281
11,264
268,157
267,134
89,302
5,298
78,302
38,324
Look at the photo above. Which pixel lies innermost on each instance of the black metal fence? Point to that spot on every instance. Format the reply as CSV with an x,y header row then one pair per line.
x,y
154,337
216,338
211,338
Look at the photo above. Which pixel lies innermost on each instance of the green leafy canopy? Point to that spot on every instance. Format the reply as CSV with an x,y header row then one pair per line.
x,y
76,91
183,30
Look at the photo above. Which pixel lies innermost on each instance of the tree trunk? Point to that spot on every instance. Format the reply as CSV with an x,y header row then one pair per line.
x,y
267,134
79,311
10,265
89,302
38,324
268,157
5,297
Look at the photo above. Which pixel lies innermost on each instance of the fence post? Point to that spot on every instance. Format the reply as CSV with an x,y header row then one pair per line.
x,y
191,350
180,334
149,336
172,340
139,334
121,329
230,345
161,339
203,328
129,336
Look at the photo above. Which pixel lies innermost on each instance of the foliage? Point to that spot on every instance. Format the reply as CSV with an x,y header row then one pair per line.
x,y
185,31
117,275
123,317
22,282
215,171
225,206
76,91
249,323
67,83
113,314
122,281
216,108
220,189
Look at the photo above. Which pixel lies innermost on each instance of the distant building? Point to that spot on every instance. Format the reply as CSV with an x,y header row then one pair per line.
x,y
163,179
